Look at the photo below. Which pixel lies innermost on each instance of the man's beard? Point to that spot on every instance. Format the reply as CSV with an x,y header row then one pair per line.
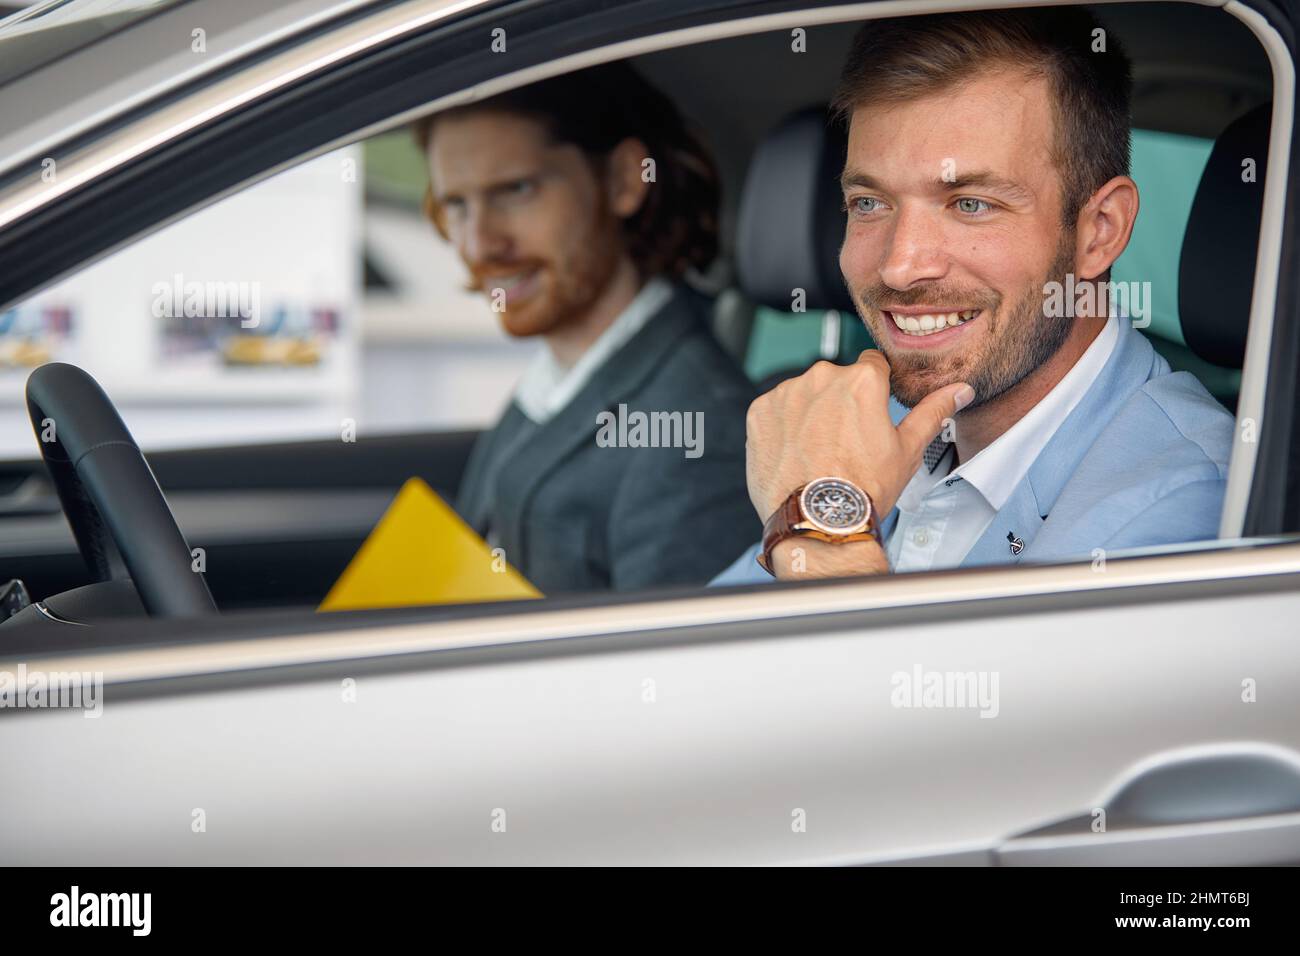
x,y
571,282
1021,342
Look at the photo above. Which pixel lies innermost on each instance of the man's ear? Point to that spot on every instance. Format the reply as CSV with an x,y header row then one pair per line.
x,y
1105,224
625,183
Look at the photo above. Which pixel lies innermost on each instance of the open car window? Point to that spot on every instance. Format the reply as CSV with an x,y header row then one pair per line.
x,y
291,355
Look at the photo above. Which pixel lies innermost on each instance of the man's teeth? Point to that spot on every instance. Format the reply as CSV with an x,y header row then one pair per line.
x,y
509,282
929,324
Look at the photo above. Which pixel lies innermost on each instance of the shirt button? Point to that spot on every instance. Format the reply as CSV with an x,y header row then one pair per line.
x,y
921,537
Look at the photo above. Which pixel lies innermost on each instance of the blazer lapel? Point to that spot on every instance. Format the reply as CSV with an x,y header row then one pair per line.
x,y
474,500
575,426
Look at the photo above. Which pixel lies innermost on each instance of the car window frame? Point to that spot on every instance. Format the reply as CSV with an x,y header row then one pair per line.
x,y
718,20
146,657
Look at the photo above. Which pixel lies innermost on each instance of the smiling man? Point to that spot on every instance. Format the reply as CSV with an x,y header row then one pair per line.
x,y
578,206
987,169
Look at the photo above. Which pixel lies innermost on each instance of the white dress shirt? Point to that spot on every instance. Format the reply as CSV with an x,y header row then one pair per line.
x,y
941,514
547,386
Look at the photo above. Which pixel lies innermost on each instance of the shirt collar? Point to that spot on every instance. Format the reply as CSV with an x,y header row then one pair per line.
x,y
996,470
547,387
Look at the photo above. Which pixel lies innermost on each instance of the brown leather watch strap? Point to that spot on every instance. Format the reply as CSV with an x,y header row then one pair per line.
x,y
780,526
787,522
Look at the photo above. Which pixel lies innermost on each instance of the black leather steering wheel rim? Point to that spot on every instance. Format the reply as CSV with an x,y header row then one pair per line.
x,y
118,514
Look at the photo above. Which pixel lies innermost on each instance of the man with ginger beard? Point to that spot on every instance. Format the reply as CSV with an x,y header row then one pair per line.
x,y
987,161
578,205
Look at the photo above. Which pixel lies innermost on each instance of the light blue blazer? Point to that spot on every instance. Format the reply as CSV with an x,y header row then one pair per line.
x,y
1142,460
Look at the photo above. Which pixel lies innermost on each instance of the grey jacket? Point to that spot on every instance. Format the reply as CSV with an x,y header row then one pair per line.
x,y
579,503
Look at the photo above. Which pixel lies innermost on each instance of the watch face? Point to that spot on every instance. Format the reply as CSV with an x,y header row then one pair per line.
x,y
836,506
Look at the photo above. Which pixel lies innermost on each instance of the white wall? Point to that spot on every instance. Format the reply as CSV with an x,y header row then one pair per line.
x,y
430,357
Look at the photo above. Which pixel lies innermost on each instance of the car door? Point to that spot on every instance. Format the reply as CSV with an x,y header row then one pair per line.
x,y
1137,710
1079,717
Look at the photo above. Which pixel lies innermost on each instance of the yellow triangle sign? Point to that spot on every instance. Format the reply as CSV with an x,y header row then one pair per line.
x,y
421,552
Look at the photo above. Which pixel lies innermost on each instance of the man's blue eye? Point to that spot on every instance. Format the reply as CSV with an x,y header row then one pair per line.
x,y
972,206
858,207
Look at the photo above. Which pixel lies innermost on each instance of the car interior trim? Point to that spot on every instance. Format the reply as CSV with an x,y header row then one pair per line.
x,y
226,96
1259,335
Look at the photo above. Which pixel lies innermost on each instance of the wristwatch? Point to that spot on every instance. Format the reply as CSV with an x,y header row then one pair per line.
x,y
827,509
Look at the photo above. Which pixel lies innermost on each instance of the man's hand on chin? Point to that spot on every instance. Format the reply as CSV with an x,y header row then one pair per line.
x,y
834,421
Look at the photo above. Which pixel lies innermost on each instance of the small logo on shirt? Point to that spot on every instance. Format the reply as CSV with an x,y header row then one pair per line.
x,y
1017,544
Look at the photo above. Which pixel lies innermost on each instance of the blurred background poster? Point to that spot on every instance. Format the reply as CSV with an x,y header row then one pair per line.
x,y
316,298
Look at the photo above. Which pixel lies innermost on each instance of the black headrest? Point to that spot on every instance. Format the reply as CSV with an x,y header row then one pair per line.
x,y
791,221
1217,269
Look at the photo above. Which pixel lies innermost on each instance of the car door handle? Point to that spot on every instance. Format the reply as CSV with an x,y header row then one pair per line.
x,y
1228,805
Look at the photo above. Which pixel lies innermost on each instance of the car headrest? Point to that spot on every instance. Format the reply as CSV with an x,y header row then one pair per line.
x,y
791,221
1217,270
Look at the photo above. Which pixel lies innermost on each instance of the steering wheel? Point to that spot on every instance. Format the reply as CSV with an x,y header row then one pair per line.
x,y
118,515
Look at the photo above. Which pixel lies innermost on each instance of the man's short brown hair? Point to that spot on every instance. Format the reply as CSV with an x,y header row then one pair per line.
x,y
1088,73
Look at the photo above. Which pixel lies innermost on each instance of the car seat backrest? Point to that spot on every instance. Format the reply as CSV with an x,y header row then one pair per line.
x,y
1216,272
791,220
